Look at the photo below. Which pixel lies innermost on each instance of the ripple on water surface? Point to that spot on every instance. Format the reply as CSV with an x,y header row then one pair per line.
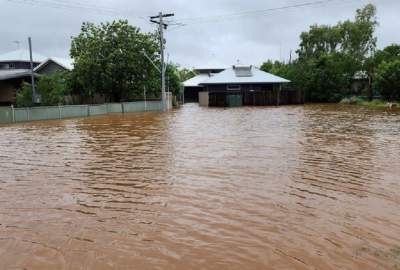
x,y
308,187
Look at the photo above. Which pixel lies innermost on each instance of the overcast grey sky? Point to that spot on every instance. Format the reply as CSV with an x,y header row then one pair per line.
x,y
221,40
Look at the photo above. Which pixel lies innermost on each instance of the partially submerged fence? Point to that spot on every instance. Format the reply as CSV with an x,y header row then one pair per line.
x,y
16,115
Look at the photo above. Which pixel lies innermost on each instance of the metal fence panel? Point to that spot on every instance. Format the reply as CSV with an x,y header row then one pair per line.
x,y
21,114
72,111
6,115
114,107
134,106
97,109
154,106
43,113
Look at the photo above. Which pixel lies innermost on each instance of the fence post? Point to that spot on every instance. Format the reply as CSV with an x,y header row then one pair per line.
x,y
59,111
122,107
13,113
28,113
88,110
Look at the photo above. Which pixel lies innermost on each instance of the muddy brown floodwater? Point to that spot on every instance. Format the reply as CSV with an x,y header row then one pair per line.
x,y
313,187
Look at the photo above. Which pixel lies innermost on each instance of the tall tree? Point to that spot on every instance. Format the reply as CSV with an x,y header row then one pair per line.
x,y
336,53
109,60
388,80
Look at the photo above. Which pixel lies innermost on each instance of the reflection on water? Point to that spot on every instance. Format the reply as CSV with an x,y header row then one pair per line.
x,y
312,187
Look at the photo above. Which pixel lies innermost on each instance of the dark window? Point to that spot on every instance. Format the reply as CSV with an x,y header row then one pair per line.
x,y
4,66
233,87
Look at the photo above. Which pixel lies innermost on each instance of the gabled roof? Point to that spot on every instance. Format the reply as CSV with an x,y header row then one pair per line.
x,y
21,56
68,63
241,74
64,63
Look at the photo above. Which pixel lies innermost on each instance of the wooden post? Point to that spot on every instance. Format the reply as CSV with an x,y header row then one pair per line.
x,y
13,113
278,94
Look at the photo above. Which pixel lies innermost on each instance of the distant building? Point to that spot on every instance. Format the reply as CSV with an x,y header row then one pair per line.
x,y
192,86
15,69
241,85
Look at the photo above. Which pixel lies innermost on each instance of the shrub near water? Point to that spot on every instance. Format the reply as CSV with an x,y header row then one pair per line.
x,y
388,80
376,103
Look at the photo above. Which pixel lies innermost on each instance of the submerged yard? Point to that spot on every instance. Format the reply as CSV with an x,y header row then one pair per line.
x,y
297,187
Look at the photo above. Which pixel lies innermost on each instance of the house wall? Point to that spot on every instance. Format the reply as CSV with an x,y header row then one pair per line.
x,y
254,95
204,99
8,91
17,65
192,94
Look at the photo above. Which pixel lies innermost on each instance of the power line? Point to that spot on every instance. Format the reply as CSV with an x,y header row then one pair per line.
x,y
162,25
214,18
75,5
64,5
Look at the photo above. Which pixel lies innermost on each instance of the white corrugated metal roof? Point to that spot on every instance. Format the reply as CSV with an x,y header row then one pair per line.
x,y
229,76
14,73
21,55
195,81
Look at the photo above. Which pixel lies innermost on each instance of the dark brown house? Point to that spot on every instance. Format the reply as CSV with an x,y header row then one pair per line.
x,y
245,85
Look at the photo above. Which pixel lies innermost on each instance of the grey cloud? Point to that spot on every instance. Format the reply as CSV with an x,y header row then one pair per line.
x,y
252,39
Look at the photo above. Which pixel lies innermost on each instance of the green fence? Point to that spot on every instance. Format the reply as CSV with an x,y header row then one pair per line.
x,y
6,115
98,109
15,115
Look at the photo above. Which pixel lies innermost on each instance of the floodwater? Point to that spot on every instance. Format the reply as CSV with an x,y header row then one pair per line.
x,y
298,187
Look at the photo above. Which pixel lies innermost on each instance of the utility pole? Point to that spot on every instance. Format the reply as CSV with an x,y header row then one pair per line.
x,y
144,94
32,73
162,26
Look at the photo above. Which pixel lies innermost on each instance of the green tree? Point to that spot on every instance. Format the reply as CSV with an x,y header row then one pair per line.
x,y
173,82
186,74
24,96
53,88
388,54
330,56
267,66
388,80
109,60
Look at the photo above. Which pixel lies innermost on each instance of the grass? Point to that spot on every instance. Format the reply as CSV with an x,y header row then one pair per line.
x,y
392,255
377,103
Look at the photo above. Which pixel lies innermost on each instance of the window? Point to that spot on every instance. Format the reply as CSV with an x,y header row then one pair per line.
x,y
4,66
233,87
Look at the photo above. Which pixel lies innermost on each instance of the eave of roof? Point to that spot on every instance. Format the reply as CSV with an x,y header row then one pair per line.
x,y
195,81
14,74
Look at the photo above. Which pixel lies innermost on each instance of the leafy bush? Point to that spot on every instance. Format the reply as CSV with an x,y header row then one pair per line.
x,y
24,96
387,80
53,88
353,100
